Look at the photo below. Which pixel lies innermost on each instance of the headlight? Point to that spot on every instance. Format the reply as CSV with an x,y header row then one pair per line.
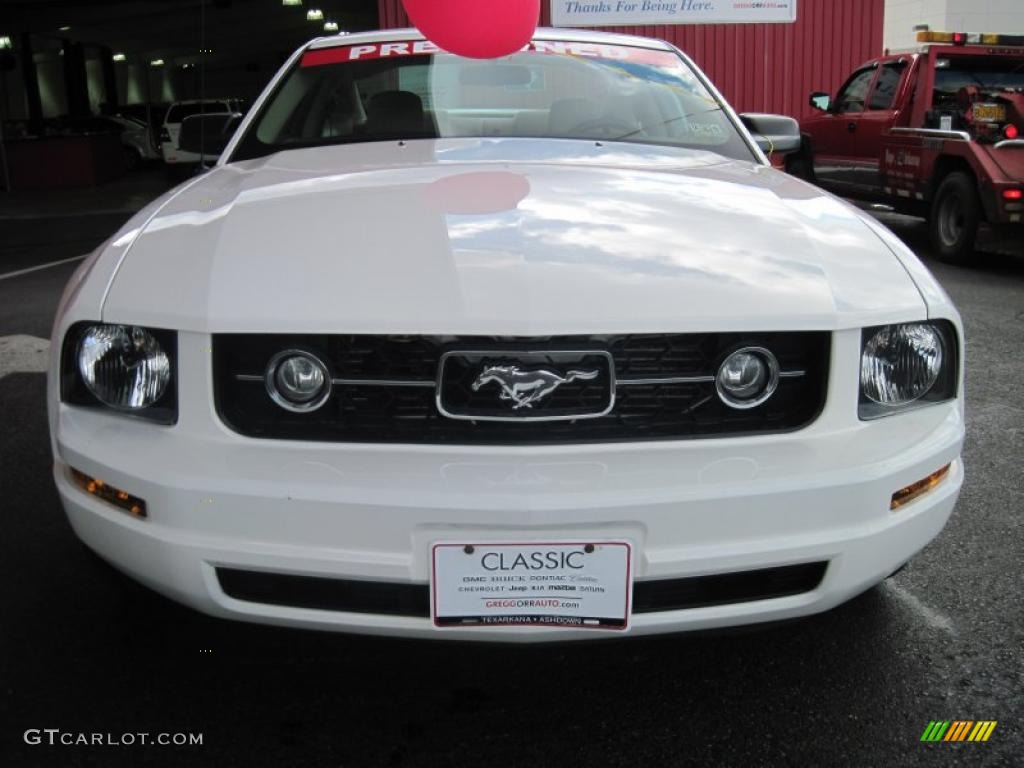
x,y
902,365
123,367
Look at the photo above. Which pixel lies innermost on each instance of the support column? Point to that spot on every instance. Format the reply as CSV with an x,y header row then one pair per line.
x,y
30,78
109,79
76,83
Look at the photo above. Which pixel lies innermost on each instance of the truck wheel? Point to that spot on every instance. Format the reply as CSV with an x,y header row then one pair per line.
x,y
801,166
954,218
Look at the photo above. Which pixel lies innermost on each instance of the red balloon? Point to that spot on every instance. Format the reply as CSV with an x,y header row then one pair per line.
x,y
479,29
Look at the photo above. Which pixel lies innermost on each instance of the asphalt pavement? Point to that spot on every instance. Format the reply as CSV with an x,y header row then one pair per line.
x,y
84,651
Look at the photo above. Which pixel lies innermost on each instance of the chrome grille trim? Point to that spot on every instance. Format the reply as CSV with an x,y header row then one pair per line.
x,y
383,383
433,384
353,382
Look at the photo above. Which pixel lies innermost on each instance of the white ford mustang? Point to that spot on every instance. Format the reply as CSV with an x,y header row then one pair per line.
x,y
534,348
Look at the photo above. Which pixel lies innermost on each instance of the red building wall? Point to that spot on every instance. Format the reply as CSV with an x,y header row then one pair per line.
x,y
762,67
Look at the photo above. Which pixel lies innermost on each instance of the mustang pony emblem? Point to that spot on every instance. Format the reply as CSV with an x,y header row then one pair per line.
x,y
524,388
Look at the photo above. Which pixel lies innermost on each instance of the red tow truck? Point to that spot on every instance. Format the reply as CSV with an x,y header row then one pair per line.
x,y
938,133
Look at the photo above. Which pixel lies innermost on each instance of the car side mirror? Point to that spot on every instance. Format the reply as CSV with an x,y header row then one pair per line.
x,y
820,100
208,134
773,133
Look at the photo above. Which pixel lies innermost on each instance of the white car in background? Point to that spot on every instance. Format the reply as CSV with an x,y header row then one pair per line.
x,y
529,349
137,140
177,112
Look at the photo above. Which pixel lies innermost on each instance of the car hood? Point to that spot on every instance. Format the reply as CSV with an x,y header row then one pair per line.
x,y
505,237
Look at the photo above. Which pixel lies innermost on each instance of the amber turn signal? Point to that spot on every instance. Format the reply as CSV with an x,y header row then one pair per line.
x,y
912,491
133,505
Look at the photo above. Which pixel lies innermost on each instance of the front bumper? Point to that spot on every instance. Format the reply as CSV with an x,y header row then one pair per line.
x,y
371,512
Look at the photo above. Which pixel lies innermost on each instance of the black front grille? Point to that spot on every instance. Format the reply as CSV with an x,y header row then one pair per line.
x,y
389,392
403,599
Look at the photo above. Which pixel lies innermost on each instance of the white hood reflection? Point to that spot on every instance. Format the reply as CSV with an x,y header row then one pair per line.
x,y
510,237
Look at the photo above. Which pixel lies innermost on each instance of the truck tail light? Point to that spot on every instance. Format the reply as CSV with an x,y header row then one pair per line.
x,y
1013,194
1011,132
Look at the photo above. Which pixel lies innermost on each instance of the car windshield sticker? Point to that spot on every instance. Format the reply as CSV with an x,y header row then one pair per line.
x,y
346,53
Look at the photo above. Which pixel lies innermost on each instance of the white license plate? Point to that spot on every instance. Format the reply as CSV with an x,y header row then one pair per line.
x,y
583,584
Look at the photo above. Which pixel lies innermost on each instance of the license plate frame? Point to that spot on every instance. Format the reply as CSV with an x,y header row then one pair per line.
x,y
565,584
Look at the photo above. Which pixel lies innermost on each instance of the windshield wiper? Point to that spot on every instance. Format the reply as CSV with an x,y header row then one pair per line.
x,y
663,123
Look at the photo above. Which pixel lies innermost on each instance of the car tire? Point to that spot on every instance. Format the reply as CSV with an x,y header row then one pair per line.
x,y
175,173
132,159
954,218
801,166
111,578
898,570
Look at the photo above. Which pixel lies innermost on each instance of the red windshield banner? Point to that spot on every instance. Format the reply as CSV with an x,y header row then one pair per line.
x,y
346,53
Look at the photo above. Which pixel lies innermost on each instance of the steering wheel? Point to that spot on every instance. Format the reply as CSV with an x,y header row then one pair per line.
x,y
606,127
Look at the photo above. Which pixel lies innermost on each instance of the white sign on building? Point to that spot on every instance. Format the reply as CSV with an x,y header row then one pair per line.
x,y
599,13
901,16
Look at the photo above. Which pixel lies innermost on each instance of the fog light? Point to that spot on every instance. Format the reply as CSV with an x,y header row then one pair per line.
x,y
133,505
298,381
747,377
912,491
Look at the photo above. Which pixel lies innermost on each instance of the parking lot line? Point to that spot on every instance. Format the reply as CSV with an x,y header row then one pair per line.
x,y
930,616
36,268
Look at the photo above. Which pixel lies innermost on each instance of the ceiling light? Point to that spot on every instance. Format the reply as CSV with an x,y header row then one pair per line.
x,y
5,42
314,14
330,26
119,57
291,2
156,63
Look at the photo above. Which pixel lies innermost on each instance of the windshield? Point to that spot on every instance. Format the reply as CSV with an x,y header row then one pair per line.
x,y
411,90
988,73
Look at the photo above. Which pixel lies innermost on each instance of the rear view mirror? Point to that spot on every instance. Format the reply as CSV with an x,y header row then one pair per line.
x,y
208,134
495,75
773,133
820,100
